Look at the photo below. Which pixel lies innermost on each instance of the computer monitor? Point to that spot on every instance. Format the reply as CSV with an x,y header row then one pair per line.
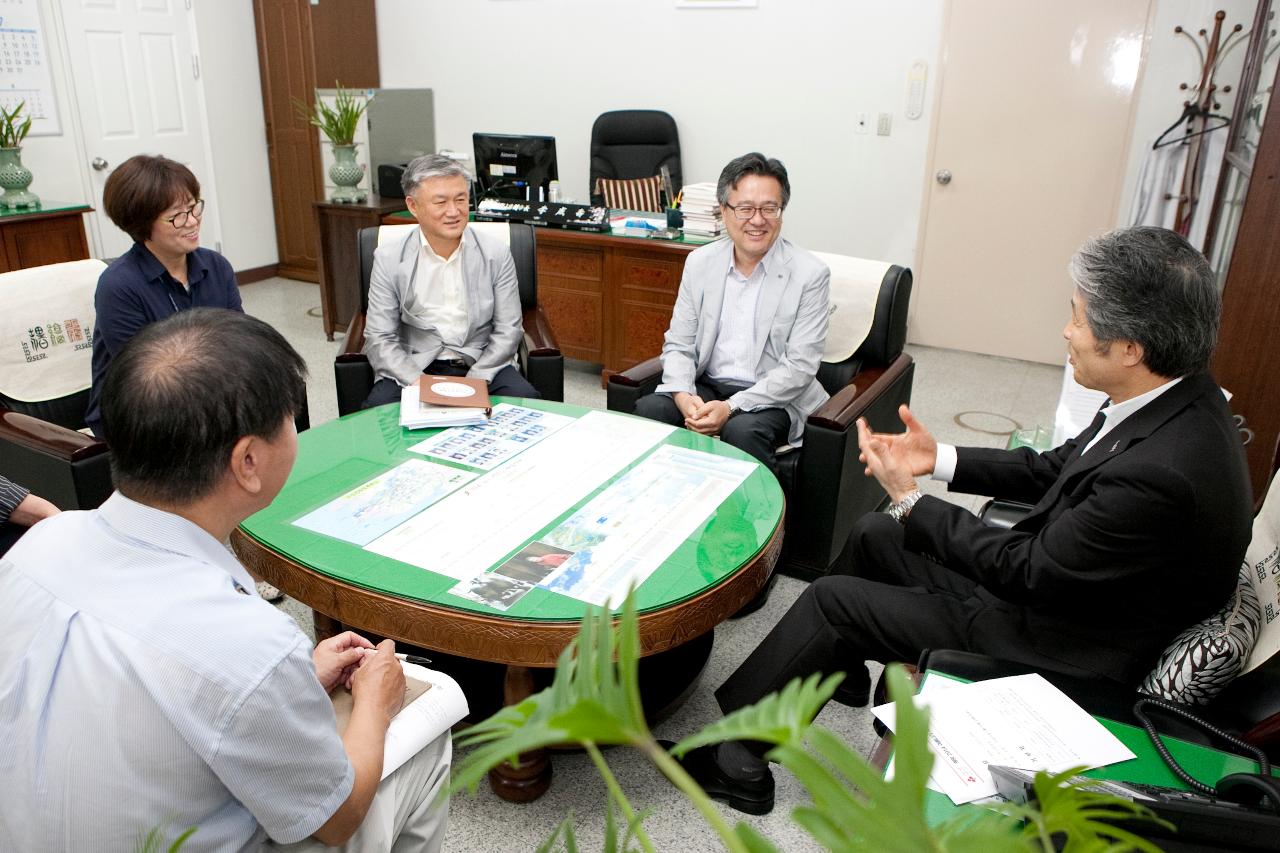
x,y
510,166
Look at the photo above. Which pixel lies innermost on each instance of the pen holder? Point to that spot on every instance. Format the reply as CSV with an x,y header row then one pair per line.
x,y
675,217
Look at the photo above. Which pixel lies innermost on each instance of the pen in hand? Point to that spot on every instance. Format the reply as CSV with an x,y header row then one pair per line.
x,y
418,659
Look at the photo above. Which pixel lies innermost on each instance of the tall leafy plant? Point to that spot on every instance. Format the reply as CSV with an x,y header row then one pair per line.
x,y
13,126
594,701
338,122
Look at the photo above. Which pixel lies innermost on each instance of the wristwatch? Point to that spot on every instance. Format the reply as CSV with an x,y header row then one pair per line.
x,y
900,510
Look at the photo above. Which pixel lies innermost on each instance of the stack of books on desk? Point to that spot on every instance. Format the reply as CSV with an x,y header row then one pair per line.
x,y
701,210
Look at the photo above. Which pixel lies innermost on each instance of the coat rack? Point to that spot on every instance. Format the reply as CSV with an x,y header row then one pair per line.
x,y
1198,113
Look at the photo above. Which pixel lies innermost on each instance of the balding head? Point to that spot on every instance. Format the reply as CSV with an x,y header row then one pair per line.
x,y
182,393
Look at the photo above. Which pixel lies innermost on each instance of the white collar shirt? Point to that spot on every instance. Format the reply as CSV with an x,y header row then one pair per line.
x,y
1117,413
149,685
441,293
734,355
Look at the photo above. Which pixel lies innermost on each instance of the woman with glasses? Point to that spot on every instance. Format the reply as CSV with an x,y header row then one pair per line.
x,y
156,201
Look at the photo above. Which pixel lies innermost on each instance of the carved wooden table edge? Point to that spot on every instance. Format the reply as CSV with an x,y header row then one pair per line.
x,y
515,642
520,644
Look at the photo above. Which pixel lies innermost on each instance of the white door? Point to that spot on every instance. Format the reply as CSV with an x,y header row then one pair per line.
x,y
136,78
1031,133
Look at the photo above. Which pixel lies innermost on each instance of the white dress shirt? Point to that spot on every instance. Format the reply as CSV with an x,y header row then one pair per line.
x,y
441,293
147,684
733,358
944,467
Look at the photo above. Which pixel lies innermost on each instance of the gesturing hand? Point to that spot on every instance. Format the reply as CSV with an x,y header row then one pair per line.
x,y
337,658
895,459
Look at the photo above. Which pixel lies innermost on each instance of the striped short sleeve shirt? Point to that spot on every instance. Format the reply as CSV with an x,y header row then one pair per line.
x,y
149,685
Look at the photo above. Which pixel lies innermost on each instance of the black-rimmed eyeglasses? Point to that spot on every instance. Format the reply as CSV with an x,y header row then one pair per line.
x,y
183,218
747,211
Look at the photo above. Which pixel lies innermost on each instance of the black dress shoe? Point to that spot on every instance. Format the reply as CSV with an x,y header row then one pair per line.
x,y
728,772
855,690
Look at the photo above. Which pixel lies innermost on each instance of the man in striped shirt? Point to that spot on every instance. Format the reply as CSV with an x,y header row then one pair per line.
x,y
19,509
148,685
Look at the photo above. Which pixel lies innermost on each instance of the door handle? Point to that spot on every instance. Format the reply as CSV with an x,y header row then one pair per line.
x,y
943,176
99,164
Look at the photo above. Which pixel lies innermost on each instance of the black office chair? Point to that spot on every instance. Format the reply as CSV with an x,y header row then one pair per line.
x,y
634,144
823,480
539,355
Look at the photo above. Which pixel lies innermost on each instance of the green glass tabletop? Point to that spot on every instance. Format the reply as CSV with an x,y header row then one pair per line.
x,y
335,457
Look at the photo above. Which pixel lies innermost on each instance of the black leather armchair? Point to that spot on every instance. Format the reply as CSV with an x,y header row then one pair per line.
x,y
823,480
1249,706
634,144
66,467
540,358
40,447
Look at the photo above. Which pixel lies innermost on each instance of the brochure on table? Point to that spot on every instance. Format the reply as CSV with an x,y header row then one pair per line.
x,y
472,529
510,430
388,500
540,464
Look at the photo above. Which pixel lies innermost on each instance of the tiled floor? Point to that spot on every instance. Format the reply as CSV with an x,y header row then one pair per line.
x,y
955,395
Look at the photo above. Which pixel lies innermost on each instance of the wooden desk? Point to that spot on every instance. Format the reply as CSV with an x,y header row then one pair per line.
x,y
49,234
608,297
339,255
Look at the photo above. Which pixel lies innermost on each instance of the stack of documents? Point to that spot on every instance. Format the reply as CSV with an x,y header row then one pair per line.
x,y
415,414
1021,721
433,704
701,210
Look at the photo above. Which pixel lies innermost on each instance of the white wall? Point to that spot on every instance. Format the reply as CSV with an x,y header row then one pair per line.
x,y
237,131
805,69
55,161
1170,61
233,98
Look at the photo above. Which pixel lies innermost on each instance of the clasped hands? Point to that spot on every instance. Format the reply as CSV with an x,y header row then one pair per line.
x,y
896,459
702,417
371,673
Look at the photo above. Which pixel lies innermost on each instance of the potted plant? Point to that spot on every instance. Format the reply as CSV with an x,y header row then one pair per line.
x,y
15,177
595,702
338,124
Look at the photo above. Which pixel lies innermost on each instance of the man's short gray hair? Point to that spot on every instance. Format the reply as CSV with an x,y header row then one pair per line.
x,y
1150,286
431,166
754,163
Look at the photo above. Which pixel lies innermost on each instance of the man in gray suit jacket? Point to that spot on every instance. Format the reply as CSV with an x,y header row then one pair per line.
x,y
741,357
445,299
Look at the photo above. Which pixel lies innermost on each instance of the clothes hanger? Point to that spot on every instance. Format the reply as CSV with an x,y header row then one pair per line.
x,y
1189,113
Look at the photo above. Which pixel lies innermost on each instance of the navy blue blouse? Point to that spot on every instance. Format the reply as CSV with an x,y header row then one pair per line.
x,y
136,290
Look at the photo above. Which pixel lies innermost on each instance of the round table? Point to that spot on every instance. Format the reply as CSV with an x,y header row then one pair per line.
x,y
708,577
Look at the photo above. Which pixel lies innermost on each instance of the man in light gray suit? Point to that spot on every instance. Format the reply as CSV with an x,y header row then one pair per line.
x,y
445,299
741,357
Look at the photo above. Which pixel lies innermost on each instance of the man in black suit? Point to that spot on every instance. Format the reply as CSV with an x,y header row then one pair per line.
x,y
1138,528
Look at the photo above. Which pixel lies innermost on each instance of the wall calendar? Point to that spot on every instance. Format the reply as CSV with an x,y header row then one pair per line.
x,y
25,75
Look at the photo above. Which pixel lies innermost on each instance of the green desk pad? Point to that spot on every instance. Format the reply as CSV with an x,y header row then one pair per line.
x,y
1202,762
338,456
